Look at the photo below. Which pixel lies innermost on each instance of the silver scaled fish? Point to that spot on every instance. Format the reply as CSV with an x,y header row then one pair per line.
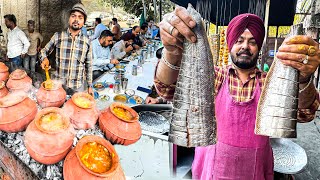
x,y
278,103
193,120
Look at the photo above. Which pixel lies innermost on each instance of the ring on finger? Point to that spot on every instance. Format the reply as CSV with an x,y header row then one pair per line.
x,y
306,60
312,51
171,29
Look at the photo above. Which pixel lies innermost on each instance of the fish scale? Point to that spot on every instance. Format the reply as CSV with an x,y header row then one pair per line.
x,y
193,121
278,103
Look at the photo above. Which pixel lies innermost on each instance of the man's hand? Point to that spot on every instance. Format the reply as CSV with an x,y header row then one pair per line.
x,y
174,28
38,49
128,49
136,47
23,55
114,61
45,63
302,53
150,100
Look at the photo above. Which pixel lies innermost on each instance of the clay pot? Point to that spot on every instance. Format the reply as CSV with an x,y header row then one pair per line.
x,y
4,72
19,80
119,130
81,117
3,89
73,168
54,97
45,145
16,112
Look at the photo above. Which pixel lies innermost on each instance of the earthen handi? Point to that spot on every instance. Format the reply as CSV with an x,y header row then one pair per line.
x,y
19,80
122,113
120,129
96,157
4,72
16,111
93,158
53,97
82,111
52,122
49,137
3,89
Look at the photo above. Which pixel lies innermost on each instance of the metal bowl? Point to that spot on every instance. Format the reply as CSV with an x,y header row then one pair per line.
x,y
136,100
289,157
153,122
122,98
99,86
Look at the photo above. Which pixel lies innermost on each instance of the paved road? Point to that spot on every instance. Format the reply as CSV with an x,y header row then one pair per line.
x,y
309,139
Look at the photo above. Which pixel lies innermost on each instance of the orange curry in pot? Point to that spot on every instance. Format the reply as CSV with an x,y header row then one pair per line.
x,y
96,157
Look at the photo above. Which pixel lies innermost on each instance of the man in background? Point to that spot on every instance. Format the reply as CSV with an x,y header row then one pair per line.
x,y
99,27
18,43
35,38
134,33
101,54
122,48
116,29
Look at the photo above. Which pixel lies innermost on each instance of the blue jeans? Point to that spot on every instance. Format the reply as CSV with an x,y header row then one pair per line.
x,y
29,62
16,62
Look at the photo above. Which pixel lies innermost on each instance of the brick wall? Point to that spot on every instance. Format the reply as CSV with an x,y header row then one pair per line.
x,y
50,15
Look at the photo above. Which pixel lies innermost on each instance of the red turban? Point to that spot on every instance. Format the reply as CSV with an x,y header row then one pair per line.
x,y
242,22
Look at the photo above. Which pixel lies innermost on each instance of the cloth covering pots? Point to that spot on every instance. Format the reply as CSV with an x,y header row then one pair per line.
x,y
117,129
73,168
82,111
16,112
54,97
19,80
49,141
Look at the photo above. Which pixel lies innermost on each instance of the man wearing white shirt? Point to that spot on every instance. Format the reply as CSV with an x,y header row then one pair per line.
x,y
98,29
122,48
18,43
101,54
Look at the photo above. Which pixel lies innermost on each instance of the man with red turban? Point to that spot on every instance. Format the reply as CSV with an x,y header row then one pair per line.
x,y
239,153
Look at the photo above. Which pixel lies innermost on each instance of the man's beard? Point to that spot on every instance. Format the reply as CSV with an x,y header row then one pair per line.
x,y
244,62
75,26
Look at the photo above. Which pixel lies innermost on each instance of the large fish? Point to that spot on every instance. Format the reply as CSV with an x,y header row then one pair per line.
x,y
278,104
193,122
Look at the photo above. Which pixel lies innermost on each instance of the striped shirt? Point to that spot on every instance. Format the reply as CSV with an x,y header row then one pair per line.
x,y
73,58
240,92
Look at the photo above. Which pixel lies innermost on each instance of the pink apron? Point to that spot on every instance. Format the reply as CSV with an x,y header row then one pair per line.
x,y
239,153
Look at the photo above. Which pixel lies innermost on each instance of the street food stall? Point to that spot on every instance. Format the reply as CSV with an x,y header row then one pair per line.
x,y
23,154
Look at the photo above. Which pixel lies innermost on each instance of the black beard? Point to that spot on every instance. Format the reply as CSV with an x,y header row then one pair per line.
x,y
75,28
246,63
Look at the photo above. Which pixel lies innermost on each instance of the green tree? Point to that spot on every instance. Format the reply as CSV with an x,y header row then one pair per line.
x,y
136,7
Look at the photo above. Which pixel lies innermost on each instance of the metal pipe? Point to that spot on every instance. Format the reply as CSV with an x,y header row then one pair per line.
x,y
160,10
39,16
265,41
144,9
276,43
155,10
